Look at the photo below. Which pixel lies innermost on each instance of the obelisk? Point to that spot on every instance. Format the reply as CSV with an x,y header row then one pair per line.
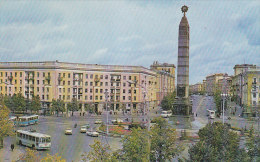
x,y
182,104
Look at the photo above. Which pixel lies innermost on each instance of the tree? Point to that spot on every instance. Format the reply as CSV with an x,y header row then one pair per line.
x,y
98,152
135,146
29,156
163,141
19,102
73,106
6,126
253,146
217,143
217,98
168,101
8,101
53,158
35,104
58,106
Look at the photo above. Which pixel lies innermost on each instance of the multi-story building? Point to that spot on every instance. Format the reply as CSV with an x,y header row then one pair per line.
x,y
128,86
251,92
165,78
196,88
225,84
203,86
238,82
212,82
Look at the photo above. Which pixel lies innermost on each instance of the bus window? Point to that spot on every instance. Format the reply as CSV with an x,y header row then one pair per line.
x,y
23,136
48,139
33,138
30,137
37,139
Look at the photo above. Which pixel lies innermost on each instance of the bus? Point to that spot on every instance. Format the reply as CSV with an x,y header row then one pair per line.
x,y
211,114
13,119
35,140
28,120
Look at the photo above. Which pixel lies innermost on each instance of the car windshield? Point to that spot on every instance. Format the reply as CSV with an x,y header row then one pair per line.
x,y
164,112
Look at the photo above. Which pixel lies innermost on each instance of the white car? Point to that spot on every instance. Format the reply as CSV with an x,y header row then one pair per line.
x,y
68,131
98,121
116,121
166,114
83,129
92,133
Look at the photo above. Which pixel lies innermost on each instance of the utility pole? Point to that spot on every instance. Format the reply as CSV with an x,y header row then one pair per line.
x,y
106,96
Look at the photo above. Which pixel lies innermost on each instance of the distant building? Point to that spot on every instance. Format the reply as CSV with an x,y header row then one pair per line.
x,y
196,88
212,82
88,82
165,78
225,84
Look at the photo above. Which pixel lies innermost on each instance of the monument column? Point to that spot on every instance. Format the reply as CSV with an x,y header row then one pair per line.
x,y
182,105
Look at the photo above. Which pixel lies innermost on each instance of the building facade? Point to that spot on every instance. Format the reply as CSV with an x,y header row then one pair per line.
x,y
212,82
129,87
196,88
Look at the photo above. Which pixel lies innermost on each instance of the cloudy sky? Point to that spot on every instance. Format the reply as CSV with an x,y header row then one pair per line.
x,y
222,33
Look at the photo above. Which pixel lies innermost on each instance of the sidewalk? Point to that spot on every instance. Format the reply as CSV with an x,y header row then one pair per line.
x,y
7,155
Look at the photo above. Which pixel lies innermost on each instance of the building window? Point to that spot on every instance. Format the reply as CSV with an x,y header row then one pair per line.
x,y
96,83
68,82
90,90
134,98
47,97
106,77
69,75
86,83
101,90
96,90
129,97
63,83
123,97
124,77
68,90
86,76
21,74
60,97
47,89
135,77
68,97
106,84
123,90
63,75
91,83
254,95
86,90
96,76
130,78
134,91
123,84
60,90
129,84
101,83
101,97
43,82
129,91
86,97
42,89
38,89
91,76
101,76
43,97
90,97
38,82
117,84
43,74
63,90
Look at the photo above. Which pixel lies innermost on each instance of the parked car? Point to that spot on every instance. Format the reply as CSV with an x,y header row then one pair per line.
x,y
92,133
98,121
166,114
68,131
116,121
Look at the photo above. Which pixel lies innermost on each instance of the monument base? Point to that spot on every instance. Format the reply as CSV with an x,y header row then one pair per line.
x,y
182,106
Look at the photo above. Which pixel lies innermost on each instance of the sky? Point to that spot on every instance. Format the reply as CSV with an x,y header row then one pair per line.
x,y
114,32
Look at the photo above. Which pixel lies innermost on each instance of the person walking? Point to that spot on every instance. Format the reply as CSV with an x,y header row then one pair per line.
x,y
12,147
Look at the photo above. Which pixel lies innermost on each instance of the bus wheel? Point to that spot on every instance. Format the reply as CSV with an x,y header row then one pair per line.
x,y
20,142
33,147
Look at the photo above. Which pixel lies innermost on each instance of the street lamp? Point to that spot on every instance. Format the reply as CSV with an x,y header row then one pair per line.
x,y
106,96
224,95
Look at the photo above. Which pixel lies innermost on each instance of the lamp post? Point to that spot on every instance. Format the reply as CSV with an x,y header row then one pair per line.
x,y
106,96
223,95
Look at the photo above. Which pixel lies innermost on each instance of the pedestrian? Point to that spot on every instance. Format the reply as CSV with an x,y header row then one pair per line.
x,y
196,114
80,114
12,147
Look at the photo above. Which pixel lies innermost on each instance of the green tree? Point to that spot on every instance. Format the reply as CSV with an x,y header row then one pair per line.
x,y
6,126
217,143
168,100
58,106
135,146
163,141
217,99
8,101
35,104
19,102
99,153
253,146
73,106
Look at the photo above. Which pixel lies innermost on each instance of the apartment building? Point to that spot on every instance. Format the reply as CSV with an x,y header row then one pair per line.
x,y
128,86
212,82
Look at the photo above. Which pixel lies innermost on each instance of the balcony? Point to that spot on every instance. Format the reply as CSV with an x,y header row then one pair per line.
x,y
60,78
